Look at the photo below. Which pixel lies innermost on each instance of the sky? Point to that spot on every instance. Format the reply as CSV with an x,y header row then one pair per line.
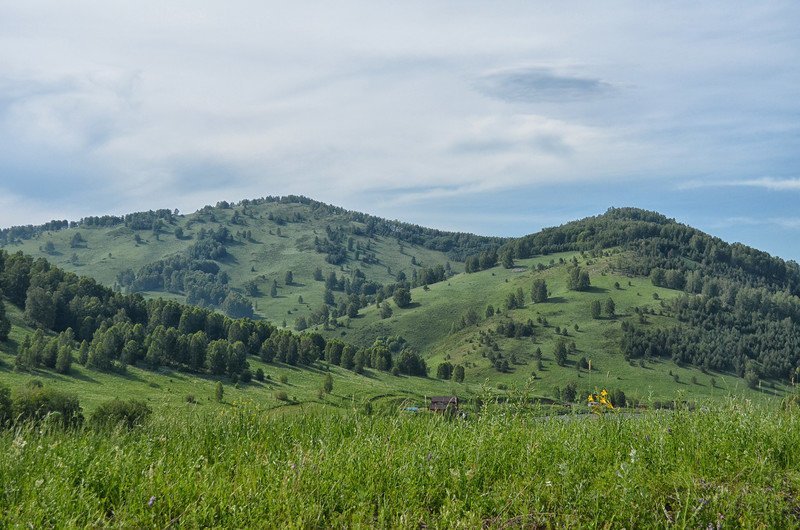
x,y
498,118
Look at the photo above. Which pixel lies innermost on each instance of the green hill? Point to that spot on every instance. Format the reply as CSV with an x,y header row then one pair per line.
x,y
438,323
692,315
262,240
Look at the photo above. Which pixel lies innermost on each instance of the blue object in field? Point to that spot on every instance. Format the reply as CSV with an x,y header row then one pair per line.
x,y
411,409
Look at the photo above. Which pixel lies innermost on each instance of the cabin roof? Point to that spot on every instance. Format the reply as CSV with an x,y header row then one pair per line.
x,y
442,402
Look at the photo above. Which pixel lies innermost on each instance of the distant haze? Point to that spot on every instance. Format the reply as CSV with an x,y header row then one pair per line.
x,y
495,118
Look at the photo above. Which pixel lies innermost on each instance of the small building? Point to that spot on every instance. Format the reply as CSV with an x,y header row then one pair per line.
x,y
444,404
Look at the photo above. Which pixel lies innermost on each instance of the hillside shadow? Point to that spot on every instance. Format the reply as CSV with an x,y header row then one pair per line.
x,y
13,346
83,377
279,364
132,377
52,376
315,369
229,259
556,300
596,290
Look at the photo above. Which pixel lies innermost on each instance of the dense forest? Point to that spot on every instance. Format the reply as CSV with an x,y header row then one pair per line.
x,y
78,319
741,309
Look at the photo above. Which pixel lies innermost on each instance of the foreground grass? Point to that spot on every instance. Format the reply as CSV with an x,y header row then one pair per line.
x,y
735,465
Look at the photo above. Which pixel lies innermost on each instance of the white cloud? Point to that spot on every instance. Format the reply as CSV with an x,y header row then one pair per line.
x,y
769,183
155,105
789,223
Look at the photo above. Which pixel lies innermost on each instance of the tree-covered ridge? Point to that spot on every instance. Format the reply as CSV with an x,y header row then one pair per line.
x,y
109,330
458,245
726,325
662,242
150,220
235,256
741,311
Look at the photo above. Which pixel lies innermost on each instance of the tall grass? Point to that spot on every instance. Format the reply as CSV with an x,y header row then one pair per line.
x,y
735,465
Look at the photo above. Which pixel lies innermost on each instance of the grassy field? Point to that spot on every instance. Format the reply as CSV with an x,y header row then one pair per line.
x,y
733,465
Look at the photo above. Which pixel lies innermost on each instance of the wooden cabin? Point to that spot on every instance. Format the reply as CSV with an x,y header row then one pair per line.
x,y
444,404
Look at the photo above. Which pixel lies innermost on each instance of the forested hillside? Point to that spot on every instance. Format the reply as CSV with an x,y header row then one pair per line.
x,y
278,258
76,318
629,299
740,309
727,308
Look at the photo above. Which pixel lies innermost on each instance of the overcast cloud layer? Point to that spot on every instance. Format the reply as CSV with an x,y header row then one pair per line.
x,y
489,117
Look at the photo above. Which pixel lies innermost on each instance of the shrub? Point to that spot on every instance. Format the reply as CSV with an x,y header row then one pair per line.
x,y
259,375
128,413
284,379
751,378
35,403
280,395
191,399
246,376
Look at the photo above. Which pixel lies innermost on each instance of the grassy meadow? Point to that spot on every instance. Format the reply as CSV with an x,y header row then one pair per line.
x,y
735,464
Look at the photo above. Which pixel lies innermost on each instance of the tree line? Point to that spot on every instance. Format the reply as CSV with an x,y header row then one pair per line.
x,y
109,330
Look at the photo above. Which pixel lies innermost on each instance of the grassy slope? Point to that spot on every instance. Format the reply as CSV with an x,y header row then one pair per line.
x,y
426,326
111,250
168,389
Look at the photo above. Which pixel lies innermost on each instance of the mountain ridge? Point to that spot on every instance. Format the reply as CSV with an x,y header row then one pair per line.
x,y
688,305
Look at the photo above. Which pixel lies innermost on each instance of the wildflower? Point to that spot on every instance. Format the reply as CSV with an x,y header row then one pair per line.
x,y
600,402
